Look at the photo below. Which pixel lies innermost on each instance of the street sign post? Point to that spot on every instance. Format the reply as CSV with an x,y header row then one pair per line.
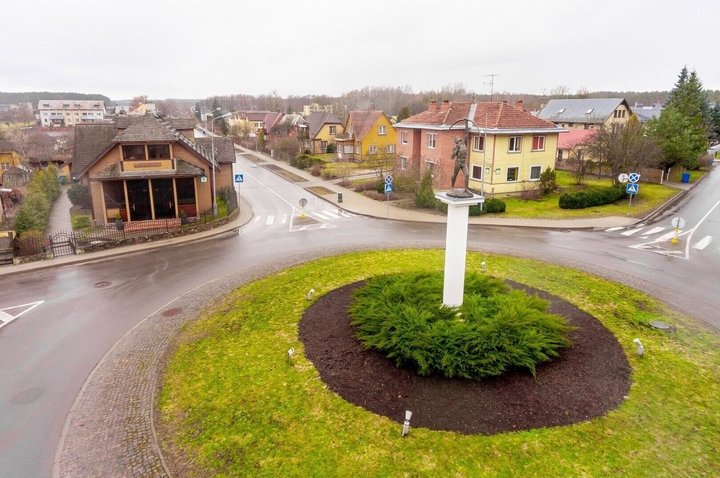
x,y
633,177
239,178
388,190
632,187
303,203
623,178
677,223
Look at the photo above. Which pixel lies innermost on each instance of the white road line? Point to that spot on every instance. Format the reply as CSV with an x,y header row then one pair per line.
x,y
613,229
655,230
703,243
665,237
284,219
270,220
331,214
632,231
5,318
319,214
257,218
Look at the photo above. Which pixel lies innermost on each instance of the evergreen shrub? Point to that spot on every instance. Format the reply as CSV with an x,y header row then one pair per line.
x,y
495,330
590,197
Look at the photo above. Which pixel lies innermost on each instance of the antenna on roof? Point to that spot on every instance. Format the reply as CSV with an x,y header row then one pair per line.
x,y
491,83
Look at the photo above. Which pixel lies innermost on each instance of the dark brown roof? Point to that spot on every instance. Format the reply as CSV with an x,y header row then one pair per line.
x,y
143,129
317,119
224,148
183,169
6,146
493,115
182,123
90,141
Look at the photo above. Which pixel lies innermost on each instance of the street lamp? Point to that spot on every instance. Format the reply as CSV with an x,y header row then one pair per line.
x,y
212,147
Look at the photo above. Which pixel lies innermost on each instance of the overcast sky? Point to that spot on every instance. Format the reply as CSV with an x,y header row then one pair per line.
x,y
181,49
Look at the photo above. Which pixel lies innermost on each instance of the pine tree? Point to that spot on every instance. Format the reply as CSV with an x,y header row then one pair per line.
x,y
689,98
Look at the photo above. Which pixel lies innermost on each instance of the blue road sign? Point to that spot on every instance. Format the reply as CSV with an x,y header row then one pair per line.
x,y
388,179
388,188
239,178
632,188
633,177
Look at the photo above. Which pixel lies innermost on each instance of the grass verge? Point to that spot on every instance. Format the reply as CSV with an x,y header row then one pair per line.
x,y
232,405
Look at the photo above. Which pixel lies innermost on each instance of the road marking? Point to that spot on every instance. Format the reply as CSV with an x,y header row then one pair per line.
x,y
284,219
632,231
257,218
270,220
331,214
654,230
319,214
6,318
613,229
703,243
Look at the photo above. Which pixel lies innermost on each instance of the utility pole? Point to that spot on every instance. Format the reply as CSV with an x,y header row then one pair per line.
x,y
491,83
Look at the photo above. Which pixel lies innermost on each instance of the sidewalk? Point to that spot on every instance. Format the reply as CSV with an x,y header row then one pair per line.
x,y
362,205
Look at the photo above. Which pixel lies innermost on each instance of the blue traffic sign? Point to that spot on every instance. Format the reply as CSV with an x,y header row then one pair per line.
x,y
388,179
632,188
388,188
239,178
633,177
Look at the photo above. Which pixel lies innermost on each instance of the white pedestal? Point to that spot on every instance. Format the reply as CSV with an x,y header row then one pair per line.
x,y
456,246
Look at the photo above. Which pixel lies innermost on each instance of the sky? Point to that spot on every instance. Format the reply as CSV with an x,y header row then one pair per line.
x,y
194,50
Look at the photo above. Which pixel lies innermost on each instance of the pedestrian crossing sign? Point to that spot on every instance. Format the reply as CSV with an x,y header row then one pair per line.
x,y
239,178
632,188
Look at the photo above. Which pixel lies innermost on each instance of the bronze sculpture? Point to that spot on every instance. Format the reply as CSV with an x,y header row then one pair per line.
x,y
459,154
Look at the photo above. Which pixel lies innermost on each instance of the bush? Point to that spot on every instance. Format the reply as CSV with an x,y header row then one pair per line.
x,y
548,181
498,329
405,184
79,196
33,214
81,221
367,186
31,242
590,197
494,206
305,162
316,170
425,197
330,148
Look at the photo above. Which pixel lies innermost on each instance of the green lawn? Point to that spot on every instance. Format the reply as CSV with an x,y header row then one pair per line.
x,y
232,405
651,196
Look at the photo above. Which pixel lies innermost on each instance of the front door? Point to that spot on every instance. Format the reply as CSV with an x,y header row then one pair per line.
x,y
163,198
139,197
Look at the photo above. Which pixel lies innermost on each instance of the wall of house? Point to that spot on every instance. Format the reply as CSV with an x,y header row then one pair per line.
x,y
620,120
324,133
381,141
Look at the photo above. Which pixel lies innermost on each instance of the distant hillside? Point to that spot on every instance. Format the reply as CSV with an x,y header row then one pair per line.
x,y
35,96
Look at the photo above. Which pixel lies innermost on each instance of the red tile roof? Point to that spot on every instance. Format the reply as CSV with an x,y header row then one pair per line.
x,y
573,137
491,115
362,122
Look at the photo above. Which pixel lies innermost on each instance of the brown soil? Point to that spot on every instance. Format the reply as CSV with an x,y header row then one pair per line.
x,y
588,379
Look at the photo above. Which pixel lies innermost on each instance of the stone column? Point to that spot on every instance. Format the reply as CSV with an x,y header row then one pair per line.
x,y
456,246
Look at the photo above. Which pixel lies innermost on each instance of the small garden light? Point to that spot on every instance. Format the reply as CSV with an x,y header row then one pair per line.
x,y
640,348
483,266
310,294
406,423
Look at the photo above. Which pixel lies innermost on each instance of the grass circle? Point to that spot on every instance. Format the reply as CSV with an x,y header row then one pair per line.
x,y
495,330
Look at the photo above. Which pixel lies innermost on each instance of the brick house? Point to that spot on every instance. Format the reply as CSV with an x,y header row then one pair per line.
x,y
147,167
508,148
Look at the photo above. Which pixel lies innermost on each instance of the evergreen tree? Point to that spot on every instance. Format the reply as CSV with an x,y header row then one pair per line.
x,y
681,140
689,98
404,113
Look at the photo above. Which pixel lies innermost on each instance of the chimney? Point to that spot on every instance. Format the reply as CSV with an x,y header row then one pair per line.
x,y
445,105
504,102
519,105
432,107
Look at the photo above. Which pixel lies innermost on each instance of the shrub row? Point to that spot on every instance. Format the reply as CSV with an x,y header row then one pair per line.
x,y
43,190
490,206
305,162
497,330
590,198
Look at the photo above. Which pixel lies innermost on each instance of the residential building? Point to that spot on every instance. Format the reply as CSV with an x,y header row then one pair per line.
x,y
149,167
586,113
367,134
12,171
316,108
289,126
323,128
59,113
508,148
255,122
572,145
645,113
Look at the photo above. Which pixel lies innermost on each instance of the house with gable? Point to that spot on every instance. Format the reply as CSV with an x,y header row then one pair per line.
x,y
147,167
323,128
367,134
508,148
586,113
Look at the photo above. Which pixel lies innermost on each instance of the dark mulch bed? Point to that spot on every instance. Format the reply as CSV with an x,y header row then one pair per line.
x,y
589,379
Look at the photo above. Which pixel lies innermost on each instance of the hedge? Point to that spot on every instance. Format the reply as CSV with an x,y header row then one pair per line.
x,y
590,198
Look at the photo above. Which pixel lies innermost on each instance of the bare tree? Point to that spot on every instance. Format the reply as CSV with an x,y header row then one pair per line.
x,y
381,163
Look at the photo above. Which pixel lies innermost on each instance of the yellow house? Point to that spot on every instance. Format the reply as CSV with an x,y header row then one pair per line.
x,y
323,128
367,134
8,156
586,113
508,148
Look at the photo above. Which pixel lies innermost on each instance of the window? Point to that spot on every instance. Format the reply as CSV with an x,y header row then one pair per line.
x,y
430,167
133,152
431,140
477,172
535,172
514,144
561,111
158,151
348,149
538,143
333,130
478,143
390,148
381,129
512,174
372,149
403,137
589,111
403,163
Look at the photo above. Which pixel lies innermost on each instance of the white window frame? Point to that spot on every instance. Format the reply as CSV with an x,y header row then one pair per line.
x,y
476,167
517,140
517,174
332,130
431,140
403,137
372,149
382,131
539,167
477,140
533,142
390,149
403,163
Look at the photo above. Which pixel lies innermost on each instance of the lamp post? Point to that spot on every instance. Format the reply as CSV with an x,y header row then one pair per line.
x,y
212,147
